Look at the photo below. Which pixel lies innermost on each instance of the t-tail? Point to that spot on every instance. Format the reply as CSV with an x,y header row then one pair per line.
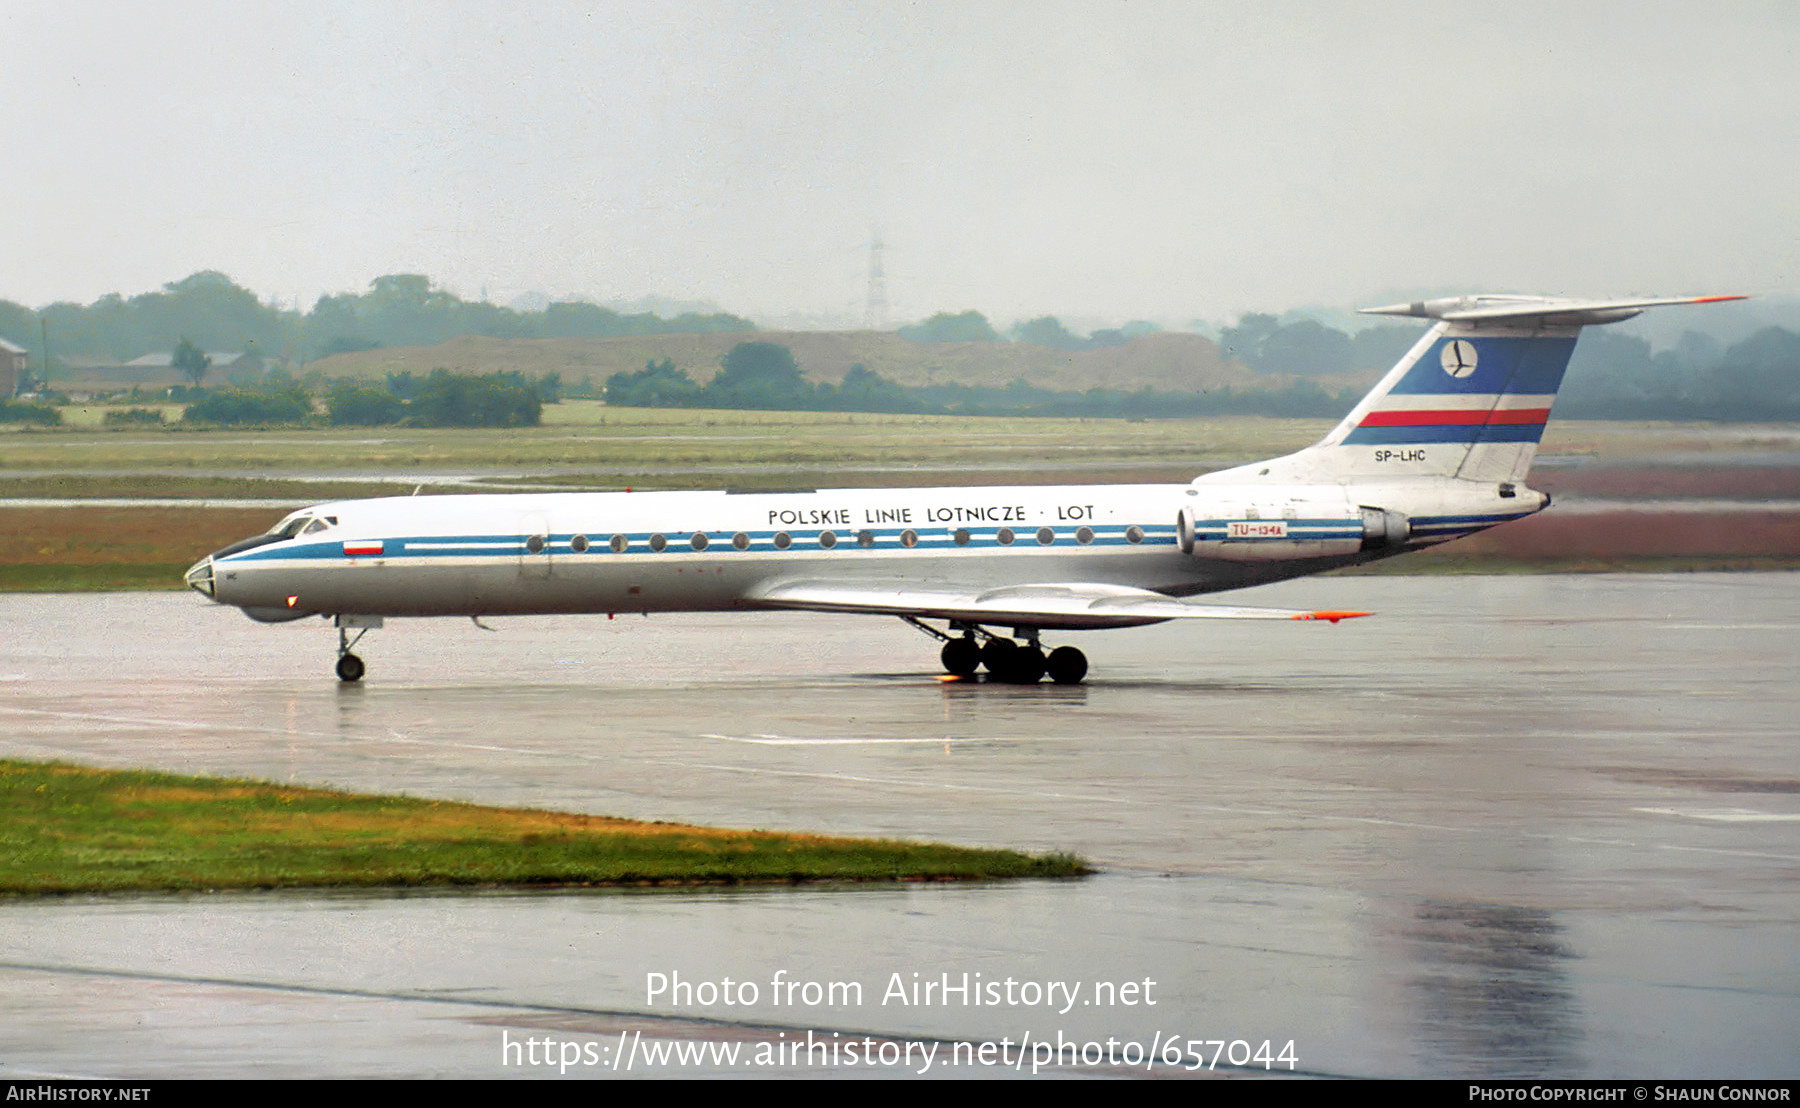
x,y
1469,401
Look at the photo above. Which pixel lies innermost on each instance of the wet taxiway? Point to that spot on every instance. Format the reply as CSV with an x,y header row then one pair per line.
x,y
1510,825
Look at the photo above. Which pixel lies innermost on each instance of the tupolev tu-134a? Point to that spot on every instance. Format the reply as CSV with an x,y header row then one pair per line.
x,y
1440,448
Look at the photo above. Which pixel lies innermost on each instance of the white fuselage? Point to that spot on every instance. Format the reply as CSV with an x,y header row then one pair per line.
x,y
696,551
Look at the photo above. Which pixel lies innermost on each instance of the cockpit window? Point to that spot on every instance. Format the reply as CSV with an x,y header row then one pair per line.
x,y
301,523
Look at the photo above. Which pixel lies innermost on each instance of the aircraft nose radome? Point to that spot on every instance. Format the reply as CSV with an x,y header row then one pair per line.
x,y
199,577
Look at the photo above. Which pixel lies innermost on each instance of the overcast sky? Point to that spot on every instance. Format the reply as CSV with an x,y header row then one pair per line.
x,y
1100,160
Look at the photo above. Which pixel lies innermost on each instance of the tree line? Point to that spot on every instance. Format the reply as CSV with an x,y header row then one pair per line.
x,y
765,376
1613,374
438,399
212,312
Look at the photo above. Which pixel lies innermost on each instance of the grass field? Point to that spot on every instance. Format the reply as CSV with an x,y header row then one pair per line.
x,y
66,829
72,549
588,436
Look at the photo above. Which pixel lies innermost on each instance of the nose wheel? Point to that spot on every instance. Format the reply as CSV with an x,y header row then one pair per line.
x,y
350,668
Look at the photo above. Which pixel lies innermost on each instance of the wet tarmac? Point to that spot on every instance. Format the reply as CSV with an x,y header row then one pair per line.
x,y
1509,826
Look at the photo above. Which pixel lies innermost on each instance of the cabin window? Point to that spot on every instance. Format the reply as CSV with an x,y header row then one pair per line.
x,y
1084,535
865,538
698,542
961,536
658,542
909,538
618,544
1004,536
535,544
827,539
741,541
1134,534
1045,536
579,544
783,540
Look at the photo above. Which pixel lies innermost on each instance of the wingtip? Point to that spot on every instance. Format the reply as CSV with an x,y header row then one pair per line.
x,y
1332,616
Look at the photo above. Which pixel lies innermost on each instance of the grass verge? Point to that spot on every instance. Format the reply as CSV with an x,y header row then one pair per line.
x,y
150,577
69,829
74,486
88,549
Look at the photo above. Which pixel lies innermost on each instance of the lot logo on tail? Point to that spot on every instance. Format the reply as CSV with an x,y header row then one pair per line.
x,y
1459,358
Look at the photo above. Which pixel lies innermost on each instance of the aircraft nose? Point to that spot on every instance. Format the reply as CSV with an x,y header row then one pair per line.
x,y
199,576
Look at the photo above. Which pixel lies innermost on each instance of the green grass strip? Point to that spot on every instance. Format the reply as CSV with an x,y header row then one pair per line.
x,y
69,829
125,577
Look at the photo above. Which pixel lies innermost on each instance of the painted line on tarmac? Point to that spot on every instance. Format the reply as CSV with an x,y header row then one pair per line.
x,y
609,757
135,721
1723,815
788,740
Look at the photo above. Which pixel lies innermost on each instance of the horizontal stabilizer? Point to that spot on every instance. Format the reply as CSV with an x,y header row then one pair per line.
x,y
1049,606
1494,309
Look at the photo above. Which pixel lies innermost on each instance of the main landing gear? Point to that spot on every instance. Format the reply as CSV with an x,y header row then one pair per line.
x,y
1008,661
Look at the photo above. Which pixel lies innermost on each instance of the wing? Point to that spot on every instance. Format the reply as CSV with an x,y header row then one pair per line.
x,y
1065,607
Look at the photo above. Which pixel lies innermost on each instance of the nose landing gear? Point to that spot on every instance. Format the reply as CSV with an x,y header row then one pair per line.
x,y
350,668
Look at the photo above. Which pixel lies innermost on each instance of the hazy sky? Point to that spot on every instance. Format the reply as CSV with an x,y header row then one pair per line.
x,y
1100,160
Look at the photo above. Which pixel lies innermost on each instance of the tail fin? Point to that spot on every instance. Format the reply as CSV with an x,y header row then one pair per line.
x,y
1469,400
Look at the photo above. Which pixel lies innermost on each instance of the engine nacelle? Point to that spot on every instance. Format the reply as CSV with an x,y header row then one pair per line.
x,y
1282,532
1384,528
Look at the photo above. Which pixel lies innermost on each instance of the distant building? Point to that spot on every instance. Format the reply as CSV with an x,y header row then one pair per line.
x,y
79,377
13,369
223,364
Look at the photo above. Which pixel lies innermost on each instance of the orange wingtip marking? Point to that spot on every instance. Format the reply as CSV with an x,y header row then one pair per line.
x,y
1715,299
1332,616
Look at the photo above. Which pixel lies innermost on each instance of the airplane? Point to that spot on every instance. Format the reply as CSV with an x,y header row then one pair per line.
x,y
1440,448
